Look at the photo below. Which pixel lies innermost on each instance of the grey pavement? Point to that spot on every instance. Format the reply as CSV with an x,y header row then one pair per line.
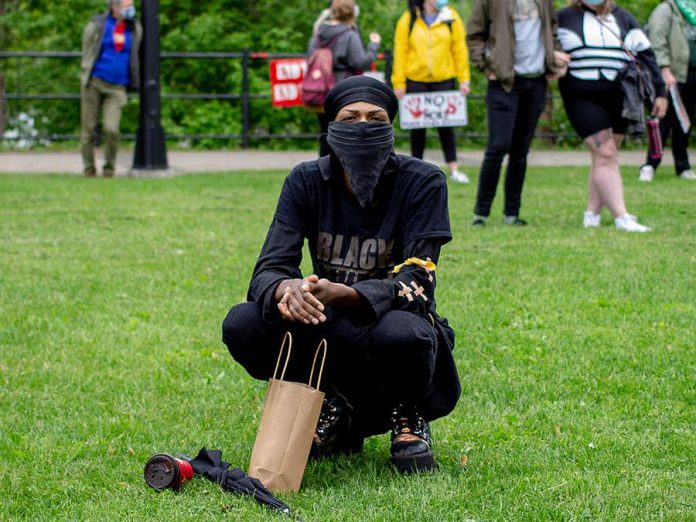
x,y
190,162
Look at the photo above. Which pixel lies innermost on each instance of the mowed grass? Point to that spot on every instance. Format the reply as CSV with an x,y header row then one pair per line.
x,y
575,349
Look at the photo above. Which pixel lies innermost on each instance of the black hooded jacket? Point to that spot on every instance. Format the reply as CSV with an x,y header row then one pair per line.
x,y
360,247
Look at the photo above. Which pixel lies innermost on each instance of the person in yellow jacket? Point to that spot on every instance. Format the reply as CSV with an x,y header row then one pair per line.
x,y
430,54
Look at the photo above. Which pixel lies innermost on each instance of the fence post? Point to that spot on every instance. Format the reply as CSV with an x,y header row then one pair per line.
x,y
150,158
245,98
3,118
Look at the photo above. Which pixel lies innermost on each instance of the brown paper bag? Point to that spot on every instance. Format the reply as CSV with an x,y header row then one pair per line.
x,y
287,426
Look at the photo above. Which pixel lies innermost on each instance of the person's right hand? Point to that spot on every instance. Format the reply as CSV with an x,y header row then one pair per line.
x,y
296,303
492,77
660,107
375,38
668,77
399,93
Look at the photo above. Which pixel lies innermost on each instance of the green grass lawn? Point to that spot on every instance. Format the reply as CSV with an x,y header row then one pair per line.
x,y
575,349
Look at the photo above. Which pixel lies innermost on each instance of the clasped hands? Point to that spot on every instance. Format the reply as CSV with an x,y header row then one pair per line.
x,y
304,300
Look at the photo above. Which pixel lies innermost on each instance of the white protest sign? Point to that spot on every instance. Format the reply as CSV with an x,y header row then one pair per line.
x,y
433,109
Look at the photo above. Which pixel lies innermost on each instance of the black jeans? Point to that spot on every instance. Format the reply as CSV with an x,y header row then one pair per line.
x,y
447,139
512,118
372,365
680,139
324,149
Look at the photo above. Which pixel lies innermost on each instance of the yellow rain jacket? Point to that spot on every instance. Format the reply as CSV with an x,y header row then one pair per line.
x,y
430,54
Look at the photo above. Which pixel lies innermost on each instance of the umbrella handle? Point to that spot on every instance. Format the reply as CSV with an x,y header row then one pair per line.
x,y
322,346
287,337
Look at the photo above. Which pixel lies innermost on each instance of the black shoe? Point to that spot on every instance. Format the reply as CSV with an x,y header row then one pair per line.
x,y
332,436
411,445
479,222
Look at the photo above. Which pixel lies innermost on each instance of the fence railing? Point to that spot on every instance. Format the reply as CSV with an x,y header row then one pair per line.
x,y
244,97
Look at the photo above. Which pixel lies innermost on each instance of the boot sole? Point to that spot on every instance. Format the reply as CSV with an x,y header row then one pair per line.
x,y
415,464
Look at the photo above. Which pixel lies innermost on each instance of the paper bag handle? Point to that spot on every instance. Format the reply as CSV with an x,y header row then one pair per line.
x,y
322,346
287,337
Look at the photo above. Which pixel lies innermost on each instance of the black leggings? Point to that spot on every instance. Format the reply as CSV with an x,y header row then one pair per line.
x,y
324,149
593,105
447,139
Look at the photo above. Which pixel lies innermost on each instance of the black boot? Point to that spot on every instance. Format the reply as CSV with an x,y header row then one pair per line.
x,y
333,436
411,445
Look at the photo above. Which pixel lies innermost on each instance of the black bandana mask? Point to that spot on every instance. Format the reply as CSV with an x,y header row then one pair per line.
x,y
363,149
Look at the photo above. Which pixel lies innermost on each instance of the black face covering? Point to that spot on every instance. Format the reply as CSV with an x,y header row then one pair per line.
x,y
363,149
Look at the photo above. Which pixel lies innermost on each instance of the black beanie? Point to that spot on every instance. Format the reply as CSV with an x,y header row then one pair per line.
x,y
360,89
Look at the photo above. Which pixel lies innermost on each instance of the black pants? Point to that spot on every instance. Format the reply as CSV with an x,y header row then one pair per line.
x,y
372,365
670,123
324,149
447,139
512,118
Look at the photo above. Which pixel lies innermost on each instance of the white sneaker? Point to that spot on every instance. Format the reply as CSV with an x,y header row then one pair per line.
x,y
459,177
647,173
590,219
628,223
687,174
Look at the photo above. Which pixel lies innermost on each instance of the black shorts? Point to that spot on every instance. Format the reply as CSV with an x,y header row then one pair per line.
x,y
593,105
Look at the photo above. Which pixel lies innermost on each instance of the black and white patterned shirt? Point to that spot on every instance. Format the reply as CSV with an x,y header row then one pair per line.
x,y
594,42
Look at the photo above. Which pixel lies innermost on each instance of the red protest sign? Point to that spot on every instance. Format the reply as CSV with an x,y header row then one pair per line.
x,y
286,81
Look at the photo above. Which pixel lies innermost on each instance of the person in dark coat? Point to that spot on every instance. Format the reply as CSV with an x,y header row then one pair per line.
x,y
374,222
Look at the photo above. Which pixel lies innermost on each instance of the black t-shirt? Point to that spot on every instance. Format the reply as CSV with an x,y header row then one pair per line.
x,y
349,243
353,245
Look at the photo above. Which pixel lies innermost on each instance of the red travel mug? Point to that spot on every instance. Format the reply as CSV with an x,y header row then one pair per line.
x,y
163,471
654,138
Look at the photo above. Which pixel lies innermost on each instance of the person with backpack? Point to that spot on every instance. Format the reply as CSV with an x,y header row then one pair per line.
x,y
672,33
335,42
514,43
430,54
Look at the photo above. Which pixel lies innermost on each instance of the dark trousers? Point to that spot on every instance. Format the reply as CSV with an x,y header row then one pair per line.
x,y
670,123
373,366
447,139
512,118
324,149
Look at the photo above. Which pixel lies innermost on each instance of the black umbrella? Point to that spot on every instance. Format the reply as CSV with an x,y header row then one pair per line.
x,y
209,464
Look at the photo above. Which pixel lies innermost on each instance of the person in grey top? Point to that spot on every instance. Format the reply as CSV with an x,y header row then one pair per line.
x,y
350,57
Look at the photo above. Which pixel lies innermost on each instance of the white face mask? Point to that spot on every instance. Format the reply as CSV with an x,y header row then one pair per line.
x,y
128,13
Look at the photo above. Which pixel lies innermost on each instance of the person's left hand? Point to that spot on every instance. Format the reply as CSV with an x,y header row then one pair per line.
x,y
324,291
660,107
464,88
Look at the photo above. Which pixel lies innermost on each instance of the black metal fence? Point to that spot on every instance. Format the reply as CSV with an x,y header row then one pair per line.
x,y
243,97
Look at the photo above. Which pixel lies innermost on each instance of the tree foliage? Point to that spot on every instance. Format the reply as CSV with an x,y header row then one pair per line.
x,y
187,25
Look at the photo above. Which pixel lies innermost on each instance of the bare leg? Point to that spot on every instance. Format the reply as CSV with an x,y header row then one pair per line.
x,y
605,173
452,166
594,200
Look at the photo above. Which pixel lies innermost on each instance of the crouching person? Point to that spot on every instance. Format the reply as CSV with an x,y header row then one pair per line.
x,y
374,222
